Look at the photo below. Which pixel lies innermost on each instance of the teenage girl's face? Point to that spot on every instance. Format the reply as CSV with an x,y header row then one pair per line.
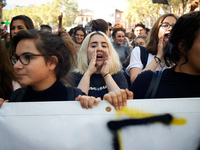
x,y
38,74
164,31
17,25
119,37
99,45
79,36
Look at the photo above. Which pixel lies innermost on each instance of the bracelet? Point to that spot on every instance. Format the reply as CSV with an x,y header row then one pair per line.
x,y
106,74
157,59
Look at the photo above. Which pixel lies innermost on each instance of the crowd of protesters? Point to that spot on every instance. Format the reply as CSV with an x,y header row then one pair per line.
x,y
105,63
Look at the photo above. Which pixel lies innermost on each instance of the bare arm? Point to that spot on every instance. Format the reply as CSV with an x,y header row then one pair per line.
x,y
110,83
60,21
84,84
152,65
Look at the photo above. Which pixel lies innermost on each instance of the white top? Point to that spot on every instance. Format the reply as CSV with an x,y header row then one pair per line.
x,y
16,85
135,61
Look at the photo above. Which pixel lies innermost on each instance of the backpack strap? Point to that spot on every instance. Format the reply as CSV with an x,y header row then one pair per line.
x,y
153,86
143,56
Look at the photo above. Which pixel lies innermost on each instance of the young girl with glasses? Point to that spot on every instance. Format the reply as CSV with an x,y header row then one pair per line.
x,y
182,51
159,35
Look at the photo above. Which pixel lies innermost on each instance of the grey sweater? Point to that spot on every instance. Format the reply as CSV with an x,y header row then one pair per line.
x,y
122,50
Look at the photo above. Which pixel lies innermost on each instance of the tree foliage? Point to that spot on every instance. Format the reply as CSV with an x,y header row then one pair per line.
x,y
141,10
146,11
46,13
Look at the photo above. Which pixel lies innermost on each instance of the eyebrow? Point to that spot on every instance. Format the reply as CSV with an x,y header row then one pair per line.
x,y
18,26
97,42
25,53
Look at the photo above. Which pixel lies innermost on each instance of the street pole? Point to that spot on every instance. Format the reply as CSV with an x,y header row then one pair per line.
x,y
169,8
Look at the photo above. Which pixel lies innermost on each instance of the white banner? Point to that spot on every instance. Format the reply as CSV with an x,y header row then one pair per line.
x,y
165,124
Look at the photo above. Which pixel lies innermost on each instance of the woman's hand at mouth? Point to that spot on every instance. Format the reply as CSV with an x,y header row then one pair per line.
x,y
161,44
92,64
105,67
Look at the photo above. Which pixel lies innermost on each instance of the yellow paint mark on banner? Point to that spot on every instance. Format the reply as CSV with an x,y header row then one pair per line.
x,y
134,113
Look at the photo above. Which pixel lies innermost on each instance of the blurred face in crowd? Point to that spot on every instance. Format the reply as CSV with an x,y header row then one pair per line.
x,y
139,31
8,38
166,27
79,36
140,42
98,49
119,37
129,35
17,25
109,30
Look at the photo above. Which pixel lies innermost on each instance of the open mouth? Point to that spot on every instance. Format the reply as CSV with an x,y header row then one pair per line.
x,y
99,56
167,35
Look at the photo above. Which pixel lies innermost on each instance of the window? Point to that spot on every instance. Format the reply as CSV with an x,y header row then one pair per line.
x,y
118,16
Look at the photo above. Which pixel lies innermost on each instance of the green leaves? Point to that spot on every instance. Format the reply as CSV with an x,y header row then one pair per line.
x,y
46,13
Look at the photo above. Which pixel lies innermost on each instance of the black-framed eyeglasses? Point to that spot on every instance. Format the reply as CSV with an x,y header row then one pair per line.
x,y
24,58
166,26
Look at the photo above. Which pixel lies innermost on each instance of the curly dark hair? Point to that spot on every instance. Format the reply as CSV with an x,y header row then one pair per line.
x,y
117,28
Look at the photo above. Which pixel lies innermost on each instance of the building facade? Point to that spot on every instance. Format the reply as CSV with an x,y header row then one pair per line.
x,y
84,16
120,19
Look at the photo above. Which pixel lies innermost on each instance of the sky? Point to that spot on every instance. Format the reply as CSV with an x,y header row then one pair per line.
x,y
102,8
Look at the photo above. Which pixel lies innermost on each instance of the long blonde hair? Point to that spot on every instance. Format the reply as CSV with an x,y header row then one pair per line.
x,y
82,59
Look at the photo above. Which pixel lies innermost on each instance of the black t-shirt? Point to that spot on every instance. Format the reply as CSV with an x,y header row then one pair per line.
x,y
57,92
172,85
98,86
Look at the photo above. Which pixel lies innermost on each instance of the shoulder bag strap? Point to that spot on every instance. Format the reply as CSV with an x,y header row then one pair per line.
x,y
151,85
156,84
